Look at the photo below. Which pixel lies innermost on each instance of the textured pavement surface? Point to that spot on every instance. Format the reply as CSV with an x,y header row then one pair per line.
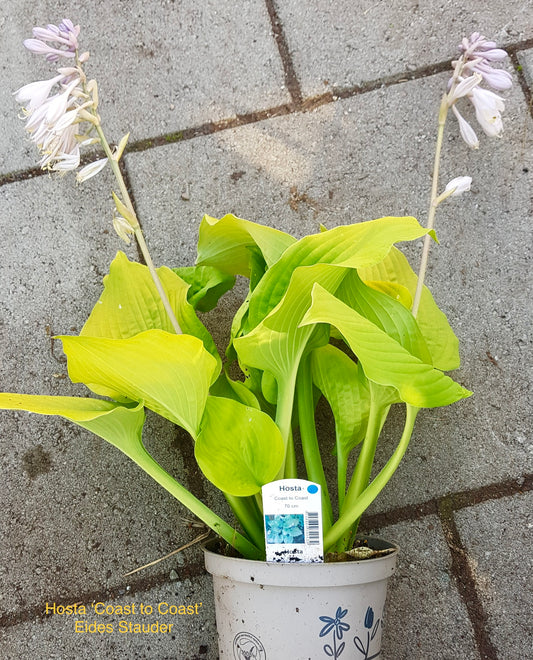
x,y
292,118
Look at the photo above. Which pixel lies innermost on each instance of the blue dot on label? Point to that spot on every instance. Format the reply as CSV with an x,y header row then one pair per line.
x,y
312,489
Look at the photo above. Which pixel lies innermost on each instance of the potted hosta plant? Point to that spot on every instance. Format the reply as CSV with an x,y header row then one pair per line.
x,y
339,315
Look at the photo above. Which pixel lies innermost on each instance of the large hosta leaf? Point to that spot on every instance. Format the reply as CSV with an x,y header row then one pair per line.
x,y
393,290
385,312
130,304
277,344
228,243
383,359
344,385
170,373
239,449
225,386
440,338
120,425
352,246
206,285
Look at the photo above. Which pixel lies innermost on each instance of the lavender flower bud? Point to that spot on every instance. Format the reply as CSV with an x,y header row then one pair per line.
x,y
493,54
496,78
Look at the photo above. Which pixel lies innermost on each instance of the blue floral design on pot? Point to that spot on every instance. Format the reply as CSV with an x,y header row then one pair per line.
x,y
338,628
372,629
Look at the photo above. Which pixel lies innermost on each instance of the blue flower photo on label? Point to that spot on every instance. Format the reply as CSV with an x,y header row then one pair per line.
x,y
283,528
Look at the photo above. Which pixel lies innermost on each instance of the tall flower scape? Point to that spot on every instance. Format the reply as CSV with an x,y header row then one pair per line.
x,y
339,314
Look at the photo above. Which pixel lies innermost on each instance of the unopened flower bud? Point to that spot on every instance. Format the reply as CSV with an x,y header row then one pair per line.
x,y
91,170
92,88
467,132
459,185
498,79
128,214
120,147
123,228
492,54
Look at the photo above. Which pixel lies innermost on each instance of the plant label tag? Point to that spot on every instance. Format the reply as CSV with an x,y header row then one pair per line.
x,y
292,511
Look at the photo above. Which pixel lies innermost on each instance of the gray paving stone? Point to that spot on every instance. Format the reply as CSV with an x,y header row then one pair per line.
x,y
497,536
345,43
425,617
525,57
351,161
161,67
76,514
58,636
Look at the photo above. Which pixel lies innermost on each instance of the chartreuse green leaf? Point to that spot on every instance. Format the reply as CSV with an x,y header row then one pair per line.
x,y
226,243
277,343
170,373
120,425
224,386
393,290
385,312
352,246
382,358
440,338
258,268
206,285
130,304
344,385
239,449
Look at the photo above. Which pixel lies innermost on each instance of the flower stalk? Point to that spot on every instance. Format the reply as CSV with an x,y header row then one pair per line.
x,y
433,203
472,67
133,221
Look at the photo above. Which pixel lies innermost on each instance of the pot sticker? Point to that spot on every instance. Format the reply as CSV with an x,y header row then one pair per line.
x,y
293,521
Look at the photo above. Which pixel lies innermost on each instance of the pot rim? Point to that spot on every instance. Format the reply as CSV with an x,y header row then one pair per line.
x,y
317,574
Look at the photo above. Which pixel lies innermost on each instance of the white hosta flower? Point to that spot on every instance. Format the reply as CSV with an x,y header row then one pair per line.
x,y
58,104
459,185
55,121
465,86
64,162
91,170
467,132
66,120
488,107
60,151
478,53
35,94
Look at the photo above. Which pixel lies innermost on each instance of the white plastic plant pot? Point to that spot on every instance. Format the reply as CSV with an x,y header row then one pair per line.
x,y
272,611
